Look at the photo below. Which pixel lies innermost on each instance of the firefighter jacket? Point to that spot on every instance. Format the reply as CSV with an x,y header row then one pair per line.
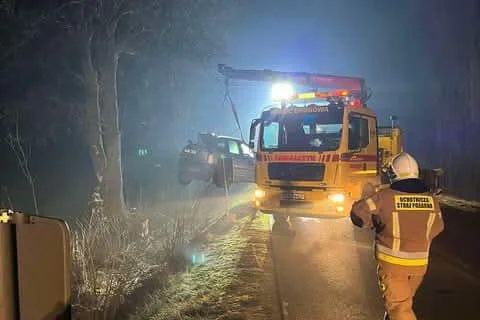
x,y
406,217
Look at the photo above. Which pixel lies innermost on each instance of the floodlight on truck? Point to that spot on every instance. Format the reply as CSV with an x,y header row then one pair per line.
x,y
282,91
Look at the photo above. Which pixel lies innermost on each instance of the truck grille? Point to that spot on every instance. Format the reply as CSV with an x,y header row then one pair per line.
x,y
296,171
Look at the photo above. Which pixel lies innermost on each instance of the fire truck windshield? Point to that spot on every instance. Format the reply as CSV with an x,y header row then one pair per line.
x,y
292,131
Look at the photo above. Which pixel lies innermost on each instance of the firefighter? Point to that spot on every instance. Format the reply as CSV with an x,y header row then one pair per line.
x,y
406,217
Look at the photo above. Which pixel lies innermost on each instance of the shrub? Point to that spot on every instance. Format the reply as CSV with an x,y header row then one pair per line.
x,y
109,263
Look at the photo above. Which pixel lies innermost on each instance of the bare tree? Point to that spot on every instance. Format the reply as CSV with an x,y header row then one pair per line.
x,y
107,30
89,39
22,151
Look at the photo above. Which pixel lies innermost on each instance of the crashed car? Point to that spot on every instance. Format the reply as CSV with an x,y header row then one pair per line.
x,y
223,160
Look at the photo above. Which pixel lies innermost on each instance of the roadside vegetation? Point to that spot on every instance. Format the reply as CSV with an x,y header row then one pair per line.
x,y
234,282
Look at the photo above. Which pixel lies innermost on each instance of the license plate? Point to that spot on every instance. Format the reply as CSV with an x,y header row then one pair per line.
x,y
293,195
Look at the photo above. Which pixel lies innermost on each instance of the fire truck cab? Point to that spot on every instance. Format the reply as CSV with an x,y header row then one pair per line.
x,y
316,151
315,154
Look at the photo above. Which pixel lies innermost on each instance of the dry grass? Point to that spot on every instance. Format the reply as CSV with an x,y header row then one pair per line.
x,y
114,257
109,264
232,284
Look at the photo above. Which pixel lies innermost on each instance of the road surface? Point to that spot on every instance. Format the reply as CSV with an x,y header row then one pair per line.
x,y
327,272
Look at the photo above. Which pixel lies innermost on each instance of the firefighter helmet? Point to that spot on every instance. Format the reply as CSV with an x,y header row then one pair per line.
x,y
403,166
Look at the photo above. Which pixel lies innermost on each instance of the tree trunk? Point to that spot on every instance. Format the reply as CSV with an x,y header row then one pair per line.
x,y
93,120
114,203
102,130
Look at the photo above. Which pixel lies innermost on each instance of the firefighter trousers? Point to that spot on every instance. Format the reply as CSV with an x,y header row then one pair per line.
x,y
398,290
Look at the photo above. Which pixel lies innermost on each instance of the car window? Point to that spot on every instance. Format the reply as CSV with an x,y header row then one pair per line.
x,y
222,146
233,147
246,150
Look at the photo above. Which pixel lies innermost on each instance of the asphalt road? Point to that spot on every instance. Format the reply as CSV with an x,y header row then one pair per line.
x,y
327,272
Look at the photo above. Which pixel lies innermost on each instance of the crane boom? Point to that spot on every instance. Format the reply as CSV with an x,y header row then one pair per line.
x,y
354,84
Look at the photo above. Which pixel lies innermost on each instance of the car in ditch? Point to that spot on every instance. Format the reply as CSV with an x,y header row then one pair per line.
x,y
221,159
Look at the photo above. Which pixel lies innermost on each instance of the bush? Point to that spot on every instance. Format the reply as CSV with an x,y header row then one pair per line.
x,y
109,263
112,257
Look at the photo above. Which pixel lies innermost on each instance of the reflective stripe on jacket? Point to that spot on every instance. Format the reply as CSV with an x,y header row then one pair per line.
x,y
403,258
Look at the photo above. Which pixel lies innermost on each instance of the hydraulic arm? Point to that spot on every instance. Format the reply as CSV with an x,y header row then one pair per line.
x,y
354,84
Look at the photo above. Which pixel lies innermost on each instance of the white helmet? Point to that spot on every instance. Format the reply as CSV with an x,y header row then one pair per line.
x,y
403,166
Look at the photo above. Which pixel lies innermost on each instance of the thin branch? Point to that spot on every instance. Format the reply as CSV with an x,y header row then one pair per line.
x,y
116,20
53,14
22,155
31,31
78,76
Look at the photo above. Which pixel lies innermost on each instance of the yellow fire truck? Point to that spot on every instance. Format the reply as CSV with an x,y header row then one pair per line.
x,y
316,151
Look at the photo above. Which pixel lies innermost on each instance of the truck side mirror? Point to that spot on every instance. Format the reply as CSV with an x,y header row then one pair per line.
x,y
253,127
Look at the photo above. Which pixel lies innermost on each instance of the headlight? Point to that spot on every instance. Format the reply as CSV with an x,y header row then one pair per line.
x,y
336,197
259,193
